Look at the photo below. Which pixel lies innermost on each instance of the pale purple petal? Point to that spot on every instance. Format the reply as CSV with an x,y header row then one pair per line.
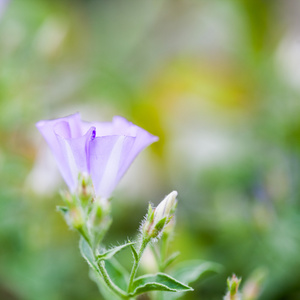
x,y
58,134
107,155
142,140
117,152
75,152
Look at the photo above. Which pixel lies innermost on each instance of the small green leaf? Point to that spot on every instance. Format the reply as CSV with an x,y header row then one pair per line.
x,y
134,253
171,258
87,254
158,282
192,270
111,252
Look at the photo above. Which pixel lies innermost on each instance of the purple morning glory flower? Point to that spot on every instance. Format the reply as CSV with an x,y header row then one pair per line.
x,y
102,150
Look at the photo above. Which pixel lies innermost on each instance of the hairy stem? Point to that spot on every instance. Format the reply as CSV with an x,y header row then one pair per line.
x,y
110,283
137,262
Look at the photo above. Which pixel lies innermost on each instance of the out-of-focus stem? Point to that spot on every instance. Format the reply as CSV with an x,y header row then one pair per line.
x,y
163,252
156,256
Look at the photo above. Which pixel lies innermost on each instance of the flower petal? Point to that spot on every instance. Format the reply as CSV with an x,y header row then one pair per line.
x,y
112,155
106,156
75,152
142,139
68,145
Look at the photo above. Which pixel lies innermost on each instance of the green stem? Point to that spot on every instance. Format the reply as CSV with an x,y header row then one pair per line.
x,y
137,262
103,271
109,282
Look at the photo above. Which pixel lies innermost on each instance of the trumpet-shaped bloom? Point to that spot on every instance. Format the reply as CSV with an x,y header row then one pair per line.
x,y
102,150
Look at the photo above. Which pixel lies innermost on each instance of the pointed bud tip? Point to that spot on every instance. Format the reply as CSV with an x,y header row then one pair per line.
x,y
174,194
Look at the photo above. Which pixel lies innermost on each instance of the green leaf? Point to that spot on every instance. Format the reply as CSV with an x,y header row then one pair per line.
x,y
192,270
171,258
158,282
111,252
117,273
134,253
87,254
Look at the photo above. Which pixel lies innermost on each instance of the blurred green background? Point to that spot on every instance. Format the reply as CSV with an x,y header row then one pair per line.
x,y
217,80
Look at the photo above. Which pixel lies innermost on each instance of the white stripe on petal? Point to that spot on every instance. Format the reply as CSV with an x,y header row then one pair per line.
x,y
68,155
112,167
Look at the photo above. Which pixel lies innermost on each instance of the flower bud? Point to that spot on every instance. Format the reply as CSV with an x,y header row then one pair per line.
x,y
76,216
85,189
158,218
69,199
164,208
233,286
100,209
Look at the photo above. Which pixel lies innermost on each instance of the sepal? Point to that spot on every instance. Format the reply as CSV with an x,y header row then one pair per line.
x,y
62,209
134,253
111,252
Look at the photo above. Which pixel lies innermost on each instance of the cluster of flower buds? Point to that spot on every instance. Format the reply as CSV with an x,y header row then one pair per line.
x,y
158,218
85,189
85,212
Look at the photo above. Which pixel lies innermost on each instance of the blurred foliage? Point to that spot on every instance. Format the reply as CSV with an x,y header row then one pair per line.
x,y
216,80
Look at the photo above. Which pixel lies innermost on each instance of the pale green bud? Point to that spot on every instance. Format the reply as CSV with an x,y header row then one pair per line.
x,y
76,216
85,188
69,199
233,288
100,209
158,218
